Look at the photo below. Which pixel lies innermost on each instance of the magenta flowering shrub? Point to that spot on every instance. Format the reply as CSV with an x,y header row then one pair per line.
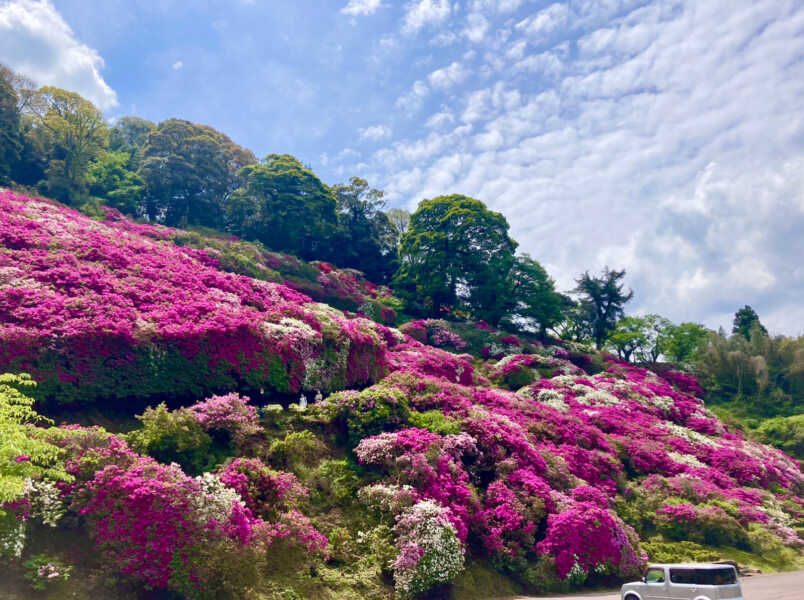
x,y
230,413
143,516
434,332
588,538
111,310
703,524
265,492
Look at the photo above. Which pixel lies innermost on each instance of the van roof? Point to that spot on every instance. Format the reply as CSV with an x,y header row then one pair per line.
x,y
692,565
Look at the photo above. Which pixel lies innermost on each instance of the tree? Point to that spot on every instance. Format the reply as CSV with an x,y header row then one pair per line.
x,y
189,172
532,296
285,206
71,133
682,342
456,255
400,219
112,181
601,302
365,239
744,320
10,133
129,135
644,338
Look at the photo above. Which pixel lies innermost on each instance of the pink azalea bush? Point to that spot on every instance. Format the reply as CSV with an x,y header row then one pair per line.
x,y
103,310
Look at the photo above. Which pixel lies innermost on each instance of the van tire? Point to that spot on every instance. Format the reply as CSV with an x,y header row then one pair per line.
x,y
631,597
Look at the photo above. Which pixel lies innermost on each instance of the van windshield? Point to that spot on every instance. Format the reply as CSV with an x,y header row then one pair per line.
x,y
720,576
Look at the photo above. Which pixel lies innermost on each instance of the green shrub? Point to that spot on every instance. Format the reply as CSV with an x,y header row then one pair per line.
x,y
221,570
175,436
46,572
786,433
363,414
334,482
435,421
297,451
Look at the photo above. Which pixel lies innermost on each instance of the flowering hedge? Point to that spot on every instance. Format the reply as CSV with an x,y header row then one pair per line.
x,y
112,310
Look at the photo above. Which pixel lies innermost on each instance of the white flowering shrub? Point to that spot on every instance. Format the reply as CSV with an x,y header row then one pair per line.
x,y
430,553
216,501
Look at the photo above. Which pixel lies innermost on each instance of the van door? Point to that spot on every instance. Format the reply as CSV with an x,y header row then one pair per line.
x,y
683,584
718,583
655,587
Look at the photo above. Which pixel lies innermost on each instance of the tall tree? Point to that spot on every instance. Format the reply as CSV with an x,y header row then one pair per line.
x,y
643,338
744,321
129,135
10,133
116,185
71,132
602,300
189,172
684,341
400,218
532,297
456,255
365,238
285,206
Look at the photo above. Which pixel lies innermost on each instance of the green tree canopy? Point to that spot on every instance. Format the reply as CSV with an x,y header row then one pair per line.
x,y
129,135
10,133
189,172
71,133
682,342
456,254
285,206
365,239
601,302
642,338
113,182
744,321
532,296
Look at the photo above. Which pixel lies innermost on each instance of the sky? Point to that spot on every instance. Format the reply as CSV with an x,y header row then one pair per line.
x,y
665,137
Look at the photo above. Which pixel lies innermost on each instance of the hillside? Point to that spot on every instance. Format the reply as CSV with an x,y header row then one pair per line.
x,y
440,459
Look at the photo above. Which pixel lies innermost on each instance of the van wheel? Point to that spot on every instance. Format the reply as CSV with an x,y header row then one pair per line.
x,y
631,597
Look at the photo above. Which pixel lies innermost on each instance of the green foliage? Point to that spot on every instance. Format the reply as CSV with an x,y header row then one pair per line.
x,y
284,205
334,482
221,570
681,343
456,255
365,239
129,135
786,433
189,170
601,303
435,421
641,338
297,451
745,320
10,133
23,453
372,411
532,297
175,436
46,572
71,133
111,179
759,377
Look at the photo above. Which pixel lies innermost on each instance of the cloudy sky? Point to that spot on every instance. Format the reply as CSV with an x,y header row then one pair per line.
x,y
665,137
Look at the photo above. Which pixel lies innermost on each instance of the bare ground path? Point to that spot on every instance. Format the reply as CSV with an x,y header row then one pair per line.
x,y
777,586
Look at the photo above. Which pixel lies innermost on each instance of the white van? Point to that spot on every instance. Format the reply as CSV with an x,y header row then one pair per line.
x,y
685,582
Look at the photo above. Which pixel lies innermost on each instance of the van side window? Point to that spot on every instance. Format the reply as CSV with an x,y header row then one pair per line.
x,y
654,576
682,576
722,576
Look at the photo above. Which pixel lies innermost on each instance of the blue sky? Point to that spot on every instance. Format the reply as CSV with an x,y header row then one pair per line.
x,y
665,137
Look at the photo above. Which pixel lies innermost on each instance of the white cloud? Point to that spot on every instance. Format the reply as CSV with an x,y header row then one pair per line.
x,y
545,21
375,133
414,99
476,27
361,7
670,144
448,77
423,13
177,65
37,42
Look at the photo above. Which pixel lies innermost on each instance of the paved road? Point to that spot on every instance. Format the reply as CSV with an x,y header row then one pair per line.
x,y
779,586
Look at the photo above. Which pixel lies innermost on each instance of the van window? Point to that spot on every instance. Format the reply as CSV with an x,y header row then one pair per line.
x,y
722,576
682,576
654,576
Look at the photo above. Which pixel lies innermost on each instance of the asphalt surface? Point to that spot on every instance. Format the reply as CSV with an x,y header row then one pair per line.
x,y
778,586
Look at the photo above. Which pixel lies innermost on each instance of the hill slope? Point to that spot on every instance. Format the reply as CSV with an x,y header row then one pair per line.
x,y
547,467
